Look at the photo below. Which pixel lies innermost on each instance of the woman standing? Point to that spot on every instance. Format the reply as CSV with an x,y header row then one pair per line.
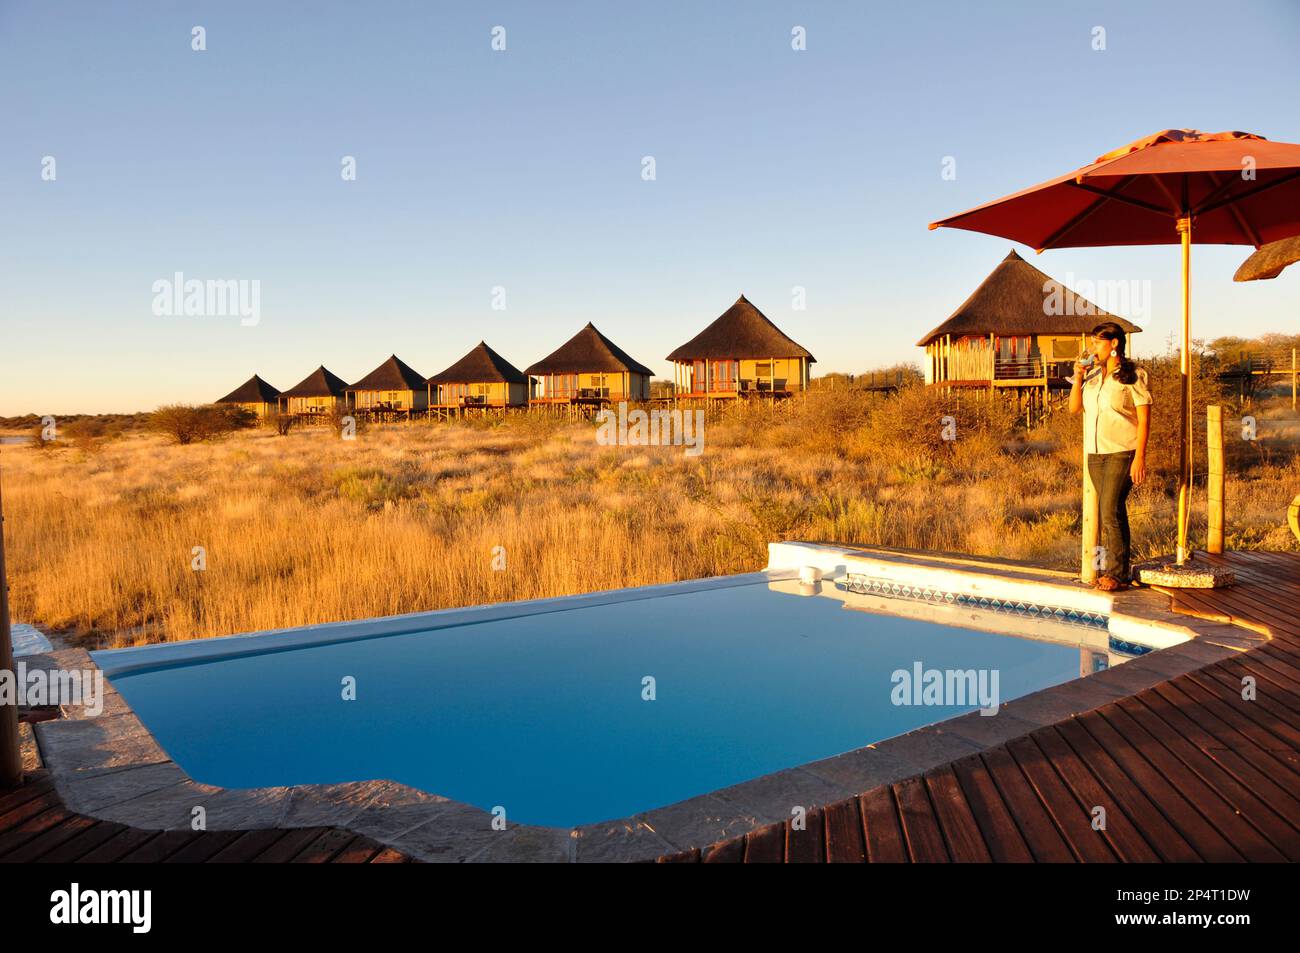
x,y
1115,399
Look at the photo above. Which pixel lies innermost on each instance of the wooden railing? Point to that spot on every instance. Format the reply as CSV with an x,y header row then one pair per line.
x,y
1029,367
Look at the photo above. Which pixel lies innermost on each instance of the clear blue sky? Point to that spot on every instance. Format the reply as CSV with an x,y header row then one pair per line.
x,y
775,168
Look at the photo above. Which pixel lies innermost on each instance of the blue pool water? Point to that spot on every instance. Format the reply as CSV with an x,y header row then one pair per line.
x,y
544,714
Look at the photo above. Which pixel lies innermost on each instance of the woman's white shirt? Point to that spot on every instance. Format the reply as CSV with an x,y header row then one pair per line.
x,y
1110,423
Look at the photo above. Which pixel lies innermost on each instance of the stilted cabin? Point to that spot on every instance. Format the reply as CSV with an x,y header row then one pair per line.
x,y
393,389
320,393
254,395
588,368
740,354
1020,329
482,378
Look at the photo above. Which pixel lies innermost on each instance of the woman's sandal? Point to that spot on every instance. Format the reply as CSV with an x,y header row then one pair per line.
x,y
1110,584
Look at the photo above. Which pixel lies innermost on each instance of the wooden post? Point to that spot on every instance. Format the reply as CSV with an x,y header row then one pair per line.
x,y
1214,478
11,762
1091,521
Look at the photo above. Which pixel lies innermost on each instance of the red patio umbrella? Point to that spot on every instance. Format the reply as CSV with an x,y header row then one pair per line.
x,y
1175,187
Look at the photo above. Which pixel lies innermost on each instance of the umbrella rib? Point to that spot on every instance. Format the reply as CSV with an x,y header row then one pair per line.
x,y
1240,219
1061,232
1148,206
1249,193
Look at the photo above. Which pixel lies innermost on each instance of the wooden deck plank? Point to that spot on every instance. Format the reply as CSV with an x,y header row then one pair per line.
x,y
248,845
807,846
1239,798
118,846
728,852
956,819
22,814
331,841
921,830
289,846
1073,819
203,847
1156,829
990,812
1263,712
1223,724
157,849
844,842
1036,825
22,794
37,823
42,843
1210,699
358,852
1234,761
880,827
1222,816
83,843
1180,811
1121,832
766,845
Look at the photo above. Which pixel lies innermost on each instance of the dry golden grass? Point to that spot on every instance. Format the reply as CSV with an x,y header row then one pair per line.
x,y
311,528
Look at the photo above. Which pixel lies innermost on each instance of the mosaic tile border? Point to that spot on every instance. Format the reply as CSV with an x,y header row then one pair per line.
x,y
870,585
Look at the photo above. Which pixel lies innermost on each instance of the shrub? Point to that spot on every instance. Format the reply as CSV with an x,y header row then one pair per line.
x,y
283,423
186,423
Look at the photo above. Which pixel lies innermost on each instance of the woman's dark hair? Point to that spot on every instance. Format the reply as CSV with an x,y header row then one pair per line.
x,y
1126,373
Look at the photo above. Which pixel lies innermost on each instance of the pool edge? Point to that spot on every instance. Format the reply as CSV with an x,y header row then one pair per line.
x,y
110,767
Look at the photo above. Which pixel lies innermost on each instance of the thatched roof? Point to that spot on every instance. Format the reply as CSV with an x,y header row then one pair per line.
x,y
588,352
742,331
252,391
1012,300
393,374
1269,260
319,383
480,366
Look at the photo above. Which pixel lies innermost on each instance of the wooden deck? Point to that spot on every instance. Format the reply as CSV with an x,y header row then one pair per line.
x,y
36,828
1186,770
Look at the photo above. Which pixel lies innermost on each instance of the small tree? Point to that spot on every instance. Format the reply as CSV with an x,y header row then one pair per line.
x,y
283,423
186,423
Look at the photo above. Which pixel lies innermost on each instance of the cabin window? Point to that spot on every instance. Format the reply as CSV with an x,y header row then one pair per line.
x,y
1065,349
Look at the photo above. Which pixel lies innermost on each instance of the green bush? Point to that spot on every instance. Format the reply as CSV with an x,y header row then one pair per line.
x,y
187,423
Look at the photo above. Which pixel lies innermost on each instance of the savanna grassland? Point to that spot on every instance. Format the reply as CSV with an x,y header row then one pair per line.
x,y
309,527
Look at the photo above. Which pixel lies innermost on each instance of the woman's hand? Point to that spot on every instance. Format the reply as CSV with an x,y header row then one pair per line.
x,y
1137,470
1079,368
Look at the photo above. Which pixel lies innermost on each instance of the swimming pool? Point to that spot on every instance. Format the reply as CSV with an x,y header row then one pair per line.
x,y
571,711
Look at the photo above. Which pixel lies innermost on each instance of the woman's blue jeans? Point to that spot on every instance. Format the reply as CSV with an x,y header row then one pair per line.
x,y
1112,480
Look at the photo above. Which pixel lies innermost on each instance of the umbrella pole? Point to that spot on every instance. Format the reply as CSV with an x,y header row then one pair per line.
x,y
1185,369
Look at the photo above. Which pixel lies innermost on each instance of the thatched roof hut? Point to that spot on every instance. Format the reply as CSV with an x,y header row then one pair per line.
x,y
252,391
393,374
1014,300
482,378
481,364
589,367
740,331
1020,328
319,392
741,352
392,388
586,352
321,382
